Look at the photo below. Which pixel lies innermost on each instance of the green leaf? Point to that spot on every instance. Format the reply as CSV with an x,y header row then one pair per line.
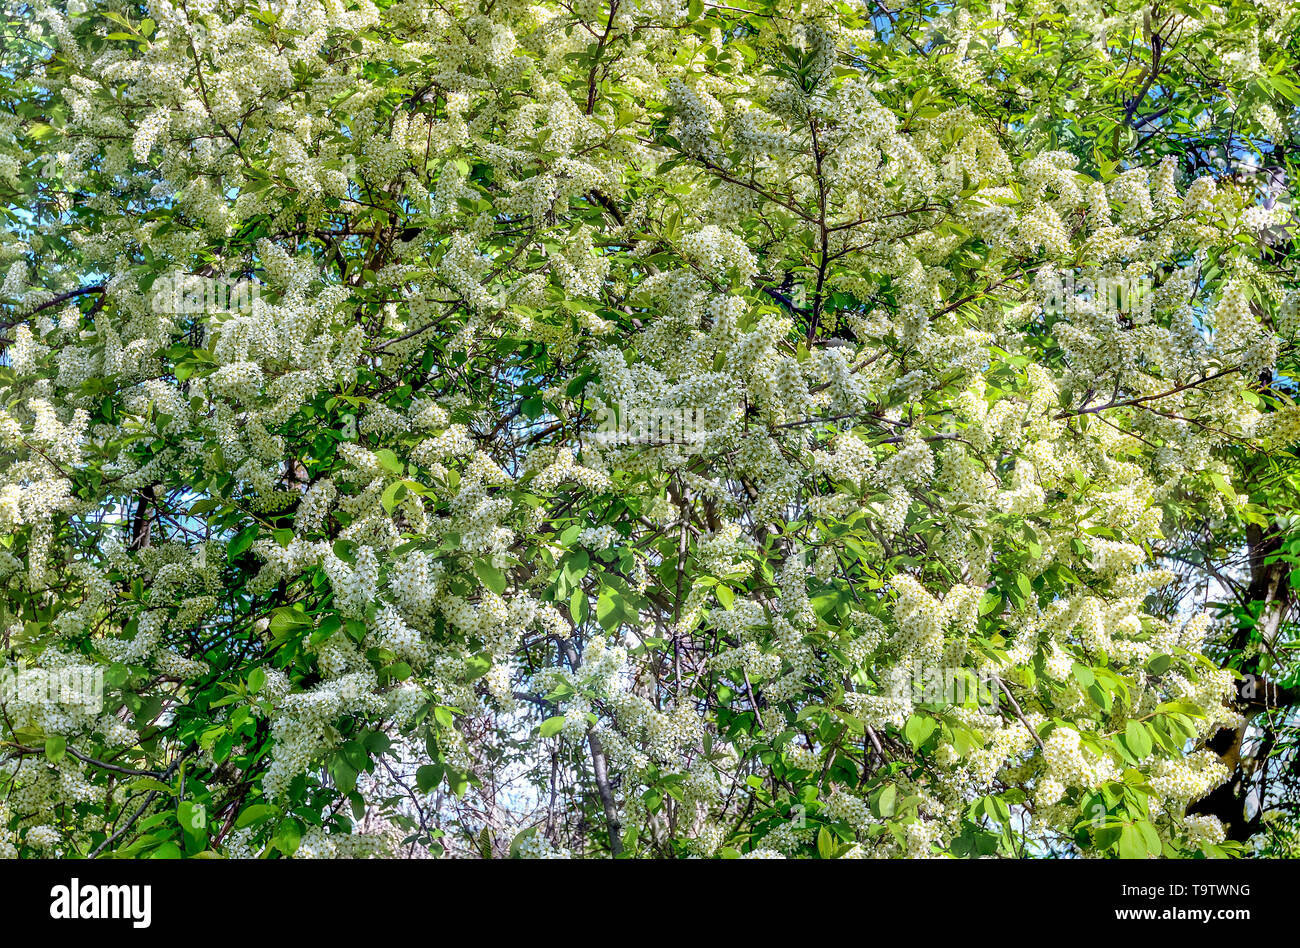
x,y
389,461
55,748
609,608
428,777
241,542
1159,664
579,606
1150,835
1132,842
886,801
354,752
552,726
491,577
578,384
1224,487
393,495
345,777
825,844
476,666
328,626
398,671
288,836
576,566
726,595
193,818
256,680
257,813
150,783
1137,739
918,729
285,622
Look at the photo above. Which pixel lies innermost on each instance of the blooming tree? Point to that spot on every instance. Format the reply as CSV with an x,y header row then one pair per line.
x,y
628,427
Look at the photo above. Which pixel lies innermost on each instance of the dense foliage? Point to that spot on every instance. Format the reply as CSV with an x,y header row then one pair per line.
x,y
635,427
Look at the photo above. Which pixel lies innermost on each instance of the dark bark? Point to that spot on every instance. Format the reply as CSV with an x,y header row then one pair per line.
x,y
1270,585
141,522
